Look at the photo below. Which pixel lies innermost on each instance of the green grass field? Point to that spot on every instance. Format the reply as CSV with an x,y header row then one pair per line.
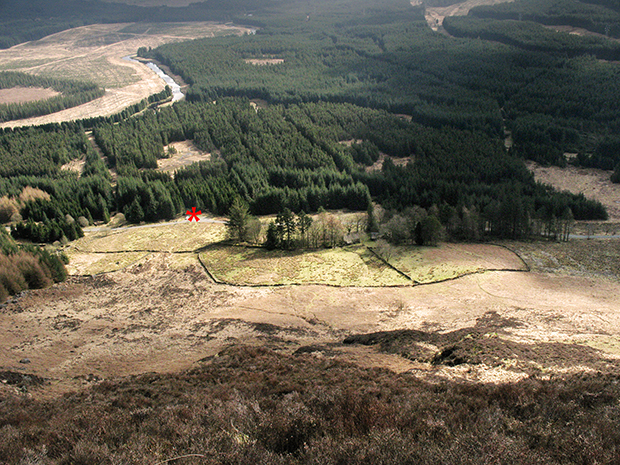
x,y
354,265
105,250
349,266
448,261
168,237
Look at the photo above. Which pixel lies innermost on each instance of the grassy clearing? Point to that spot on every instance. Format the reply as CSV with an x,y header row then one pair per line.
x,y
577,257
448,261
349,266
354,265
169,237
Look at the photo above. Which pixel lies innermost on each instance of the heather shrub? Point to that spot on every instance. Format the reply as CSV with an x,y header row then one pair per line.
x,y
254,406
8,208
11,277
34,274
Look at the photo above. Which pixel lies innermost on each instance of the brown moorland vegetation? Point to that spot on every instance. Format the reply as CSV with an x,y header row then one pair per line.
x,y
252,405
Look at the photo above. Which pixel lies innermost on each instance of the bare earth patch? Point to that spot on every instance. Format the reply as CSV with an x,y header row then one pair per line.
x,y
263,61
378,165
74,165
435,15
26,94
95,53
186,154
156,316
592,183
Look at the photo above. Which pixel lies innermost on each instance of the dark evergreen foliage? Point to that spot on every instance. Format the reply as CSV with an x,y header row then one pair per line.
x,y
347,69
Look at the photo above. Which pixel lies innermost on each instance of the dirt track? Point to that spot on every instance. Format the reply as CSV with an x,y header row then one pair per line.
x,y
154,317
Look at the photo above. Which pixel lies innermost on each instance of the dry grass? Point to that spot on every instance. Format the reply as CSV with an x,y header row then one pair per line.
x,y
591,182
75,165
349,266
94,53
186,154
595,258
165,237
96,263
264,61
378,165
432,264
25,94
355,265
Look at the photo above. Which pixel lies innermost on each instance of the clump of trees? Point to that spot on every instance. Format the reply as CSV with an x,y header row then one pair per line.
x,y
241,225
27,267
413,226
289,231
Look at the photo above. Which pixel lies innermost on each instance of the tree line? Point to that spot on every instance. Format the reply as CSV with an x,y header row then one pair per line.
x,y
297,157
532,36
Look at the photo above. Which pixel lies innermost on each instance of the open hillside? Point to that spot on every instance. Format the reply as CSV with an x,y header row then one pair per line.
x,y
336,250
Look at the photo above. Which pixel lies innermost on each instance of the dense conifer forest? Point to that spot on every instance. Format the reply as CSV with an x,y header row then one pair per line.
x,y
348,83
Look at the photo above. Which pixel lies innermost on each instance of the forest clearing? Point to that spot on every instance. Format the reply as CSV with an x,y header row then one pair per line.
x,y
25,94
591,182
181,154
